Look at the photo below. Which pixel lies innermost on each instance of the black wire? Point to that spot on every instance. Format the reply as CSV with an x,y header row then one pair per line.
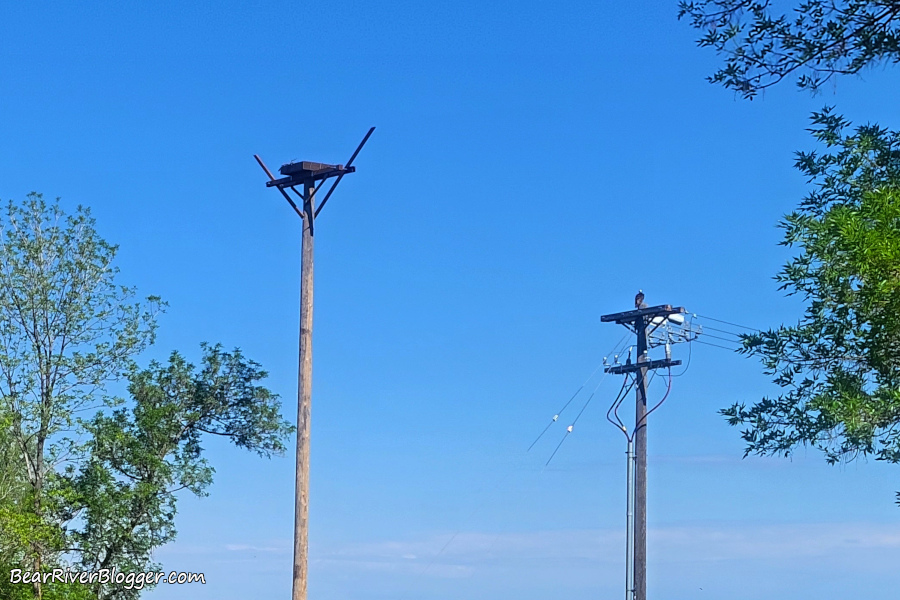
x,y
620,425
717,346
643,421
690,347
572,426
557,448
578,416
552,421
719,337
690,353
722,331
729,323
617,349
621,400
556,417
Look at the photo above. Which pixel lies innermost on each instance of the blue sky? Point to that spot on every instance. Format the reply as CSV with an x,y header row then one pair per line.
x,y
534,165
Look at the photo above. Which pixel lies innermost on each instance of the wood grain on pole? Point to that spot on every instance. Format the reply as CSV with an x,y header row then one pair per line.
x,y
640,467
304,398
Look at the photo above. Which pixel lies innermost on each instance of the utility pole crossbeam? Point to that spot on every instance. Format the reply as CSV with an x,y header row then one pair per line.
x,y
308,177
629,316
636,537
649,365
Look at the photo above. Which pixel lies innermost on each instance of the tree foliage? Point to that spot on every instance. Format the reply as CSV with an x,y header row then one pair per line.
x,y
819,39
66,330
100,492
139,457
839,366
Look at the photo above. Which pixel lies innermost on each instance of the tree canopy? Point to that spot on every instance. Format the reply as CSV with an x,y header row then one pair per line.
x,y
817,41
95,492
67,329
839,366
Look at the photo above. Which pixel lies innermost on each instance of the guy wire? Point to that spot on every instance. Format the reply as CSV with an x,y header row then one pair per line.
x,y
616,349
578,416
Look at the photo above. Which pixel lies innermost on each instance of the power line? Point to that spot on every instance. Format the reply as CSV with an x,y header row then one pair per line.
x,y
705,327
614,407
616,350
717,345
728,323
719,337
690,347
643,421
688,363
571,427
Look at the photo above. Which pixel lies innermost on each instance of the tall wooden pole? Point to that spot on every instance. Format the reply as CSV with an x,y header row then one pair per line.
x,y
639,319
304,396
640,466
304,175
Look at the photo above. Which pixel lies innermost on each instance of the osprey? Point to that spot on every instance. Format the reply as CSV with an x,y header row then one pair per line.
x,y
639,300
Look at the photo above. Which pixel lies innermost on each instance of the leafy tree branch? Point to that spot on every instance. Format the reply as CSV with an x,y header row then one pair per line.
x,y
820,39
839,366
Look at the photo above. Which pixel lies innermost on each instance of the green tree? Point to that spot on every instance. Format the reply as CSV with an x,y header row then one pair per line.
x,y
100,492
839,367
139,457
66,330
820,39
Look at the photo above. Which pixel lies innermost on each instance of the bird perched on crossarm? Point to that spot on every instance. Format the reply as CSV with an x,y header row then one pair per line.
x,y
639,300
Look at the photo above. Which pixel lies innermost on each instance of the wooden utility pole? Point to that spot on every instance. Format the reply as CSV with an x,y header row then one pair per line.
x,y
640,464
309,177
304,394
638,320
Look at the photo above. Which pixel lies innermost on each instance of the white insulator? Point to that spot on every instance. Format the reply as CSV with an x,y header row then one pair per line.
x,y
555,417
569,428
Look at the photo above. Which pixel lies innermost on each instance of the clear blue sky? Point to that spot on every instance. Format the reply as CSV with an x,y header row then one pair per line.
x,y
534,165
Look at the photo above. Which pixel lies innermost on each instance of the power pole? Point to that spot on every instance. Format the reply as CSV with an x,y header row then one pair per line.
x,y
304,394
309,177
640,464
638,321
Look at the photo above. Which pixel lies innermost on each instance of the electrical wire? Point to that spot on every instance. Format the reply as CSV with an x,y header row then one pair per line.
x,y
722,331
716,345
690,350
643,421
578,416
556,416
727,323
615,404
617,348
619,403
719,337
614,408
558,446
